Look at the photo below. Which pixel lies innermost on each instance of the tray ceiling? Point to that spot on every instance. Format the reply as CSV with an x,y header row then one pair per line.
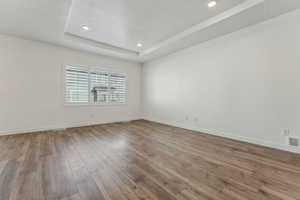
x,y
117,26
124,23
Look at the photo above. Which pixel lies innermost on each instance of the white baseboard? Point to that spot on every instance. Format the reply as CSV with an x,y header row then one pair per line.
x,y
203,130
60,127
228,135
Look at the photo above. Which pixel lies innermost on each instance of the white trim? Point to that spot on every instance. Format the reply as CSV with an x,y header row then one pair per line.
x,y
228,135
101,45
61,127
200,130
94,104
203,25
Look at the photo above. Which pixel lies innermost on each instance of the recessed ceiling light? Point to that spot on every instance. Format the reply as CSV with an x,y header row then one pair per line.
x,y
139,45
212,4
86,28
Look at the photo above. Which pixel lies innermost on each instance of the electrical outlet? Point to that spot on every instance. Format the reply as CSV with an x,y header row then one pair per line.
x,y
286,132
294,141
187,118
196,119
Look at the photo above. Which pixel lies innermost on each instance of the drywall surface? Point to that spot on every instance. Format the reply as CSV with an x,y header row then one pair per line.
x,y
31,87
244,85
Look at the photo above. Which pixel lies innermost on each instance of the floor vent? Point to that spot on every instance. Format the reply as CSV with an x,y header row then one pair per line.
x,y
293,141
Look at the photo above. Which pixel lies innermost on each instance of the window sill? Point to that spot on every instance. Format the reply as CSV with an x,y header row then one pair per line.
x,y
93,104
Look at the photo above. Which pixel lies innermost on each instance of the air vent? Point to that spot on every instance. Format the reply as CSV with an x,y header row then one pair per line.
x,y
293,141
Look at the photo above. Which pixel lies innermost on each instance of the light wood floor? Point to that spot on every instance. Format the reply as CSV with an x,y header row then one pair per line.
x,y
142,160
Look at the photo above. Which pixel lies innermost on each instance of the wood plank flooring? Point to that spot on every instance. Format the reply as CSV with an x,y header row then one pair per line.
x,y
142,160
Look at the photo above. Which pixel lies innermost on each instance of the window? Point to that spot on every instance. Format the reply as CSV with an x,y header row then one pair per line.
x,y
84,85
77,85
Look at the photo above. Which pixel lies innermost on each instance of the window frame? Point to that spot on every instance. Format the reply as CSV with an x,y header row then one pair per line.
x,y
90,102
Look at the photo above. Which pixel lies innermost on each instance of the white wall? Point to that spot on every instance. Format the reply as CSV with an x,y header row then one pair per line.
x,y
31,87
245,85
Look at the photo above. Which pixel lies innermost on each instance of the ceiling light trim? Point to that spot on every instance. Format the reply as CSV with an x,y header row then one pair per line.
x,y
85,27
212,4
221,17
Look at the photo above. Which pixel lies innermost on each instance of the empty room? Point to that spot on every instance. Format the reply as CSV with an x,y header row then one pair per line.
x,y
150,100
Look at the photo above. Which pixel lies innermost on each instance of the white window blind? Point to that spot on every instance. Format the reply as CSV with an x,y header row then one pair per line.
x,y
100,87
85,85
118,88
76,85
